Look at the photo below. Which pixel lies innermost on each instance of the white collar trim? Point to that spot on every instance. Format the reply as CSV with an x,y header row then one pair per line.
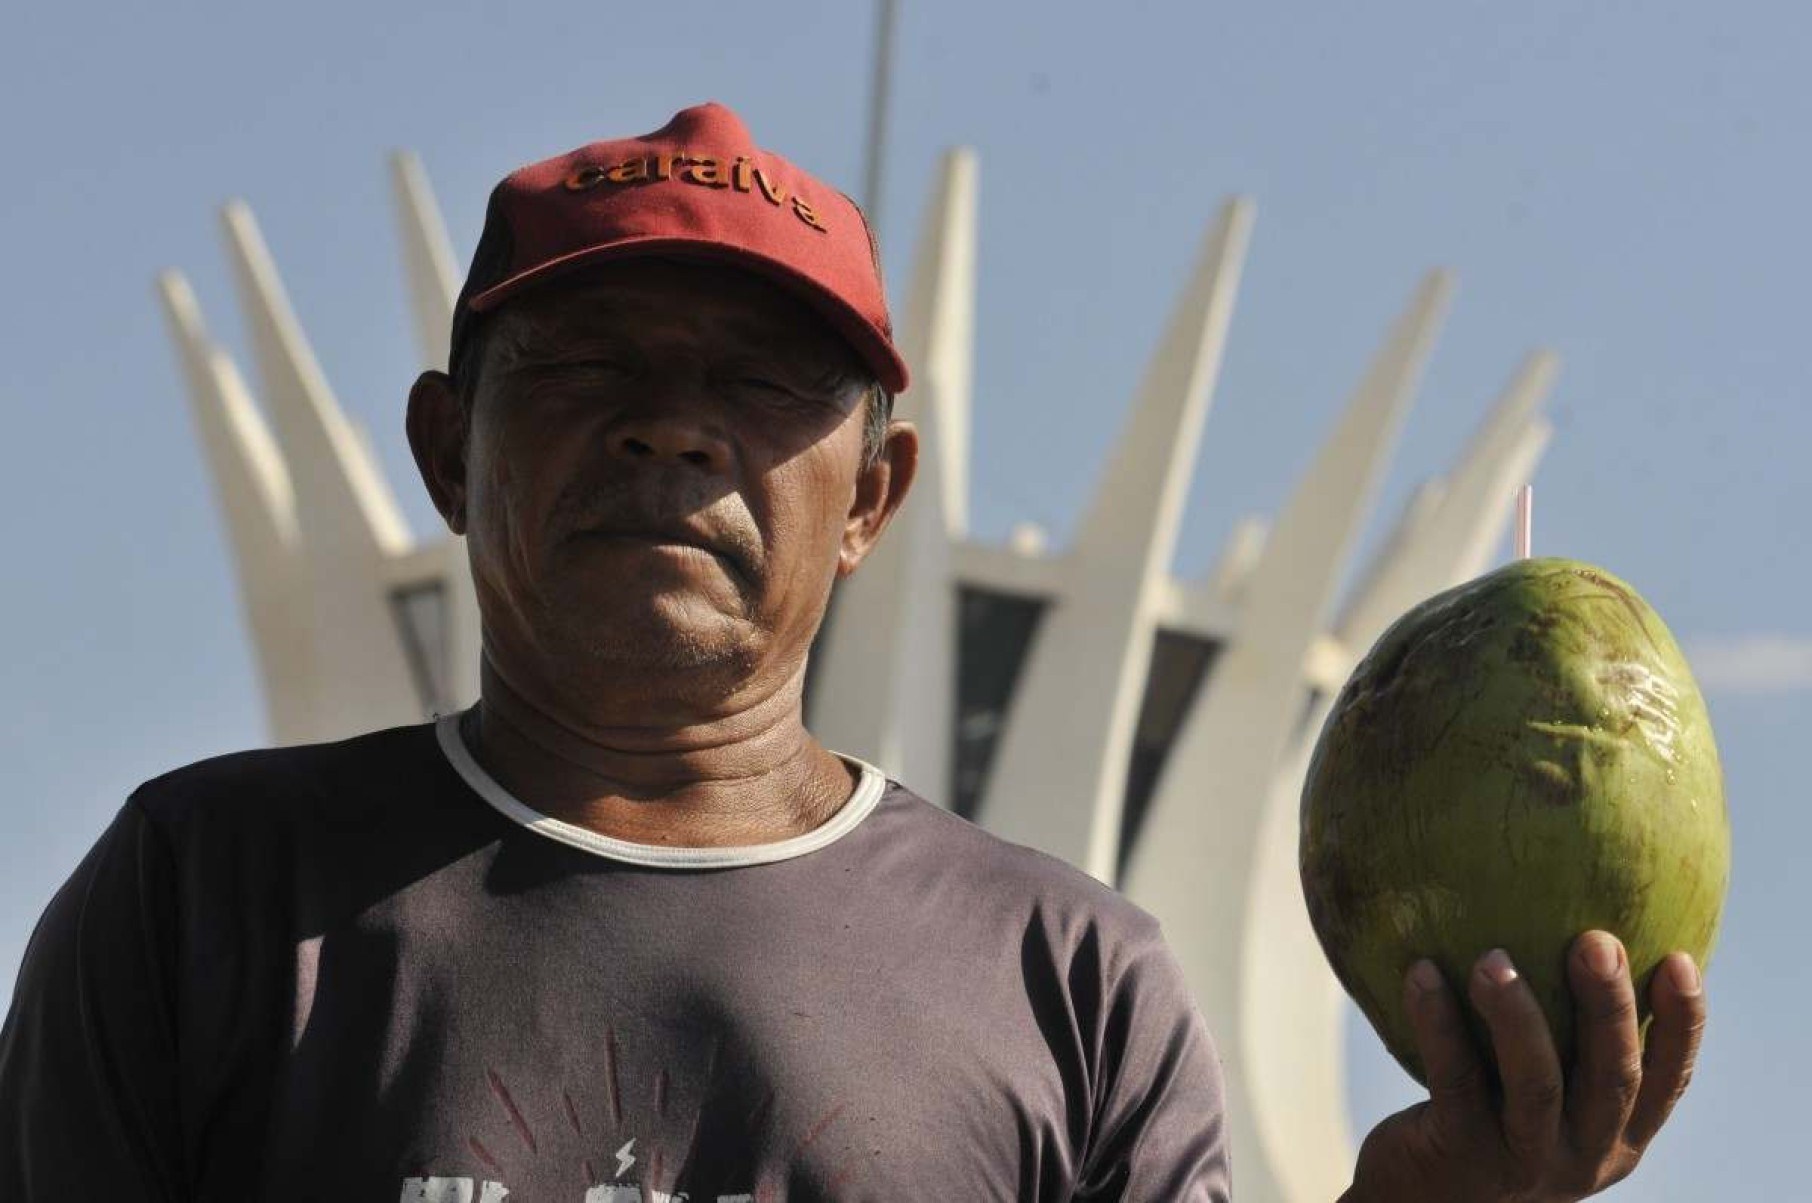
x,y
655,856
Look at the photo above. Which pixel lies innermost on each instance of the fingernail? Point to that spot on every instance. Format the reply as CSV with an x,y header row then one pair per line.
x,y
1604,957
1686,975
1425,977
1496,967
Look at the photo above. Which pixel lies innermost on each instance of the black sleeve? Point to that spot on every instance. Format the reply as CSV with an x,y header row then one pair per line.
x,y
1161,1127
88,1060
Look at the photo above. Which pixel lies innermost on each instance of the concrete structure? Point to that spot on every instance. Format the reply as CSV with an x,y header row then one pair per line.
x,y
1152,731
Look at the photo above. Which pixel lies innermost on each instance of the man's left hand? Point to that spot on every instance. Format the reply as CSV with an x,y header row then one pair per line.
x,y
1547,1137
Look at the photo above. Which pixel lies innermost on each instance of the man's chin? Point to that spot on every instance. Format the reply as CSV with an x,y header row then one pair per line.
x,y
654,643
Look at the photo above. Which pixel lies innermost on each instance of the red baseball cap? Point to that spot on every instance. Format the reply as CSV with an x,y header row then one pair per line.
x,y
698,188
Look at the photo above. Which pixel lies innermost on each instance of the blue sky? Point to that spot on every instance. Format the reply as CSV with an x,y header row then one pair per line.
x,y
1626,183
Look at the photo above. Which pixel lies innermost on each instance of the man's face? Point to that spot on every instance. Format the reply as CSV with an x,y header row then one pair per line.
x,y
662,469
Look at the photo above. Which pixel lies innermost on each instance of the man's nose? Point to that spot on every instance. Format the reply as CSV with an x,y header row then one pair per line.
x,y
673,434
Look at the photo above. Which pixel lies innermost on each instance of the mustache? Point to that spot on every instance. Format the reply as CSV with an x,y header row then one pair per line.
x,y
720,525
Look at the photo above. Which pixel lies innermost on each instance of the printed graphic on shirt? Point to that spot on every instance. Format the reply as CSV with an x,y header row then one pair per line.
x,y
451,1190
657,1134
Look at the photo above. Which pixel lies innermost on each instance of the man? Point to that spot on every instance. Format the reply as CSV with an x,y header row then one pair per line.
x,y
625,930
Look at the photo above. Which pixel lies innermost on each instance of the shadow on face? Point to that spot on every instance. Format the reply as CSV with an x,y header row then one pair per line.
x,y
660,463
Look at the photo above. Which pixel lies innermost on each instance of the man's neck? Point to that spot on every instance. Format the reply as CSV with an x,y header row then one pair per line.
x,y
752,777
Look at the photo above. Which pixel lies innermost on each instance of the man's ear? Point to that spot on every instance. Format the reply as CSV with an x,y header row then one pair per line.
x,y
437,435
880,488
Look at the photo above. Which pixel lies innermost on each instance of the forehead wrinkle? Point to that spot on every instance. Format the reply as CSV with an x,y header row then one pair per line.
x,y
551,326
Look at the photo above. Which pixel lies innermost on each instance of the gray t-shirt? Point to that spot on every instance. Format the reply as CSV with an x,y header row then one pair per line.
x,y
362,971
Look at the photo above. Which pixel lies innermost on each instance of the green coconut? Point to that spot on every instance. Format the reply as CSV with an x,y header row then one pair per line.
x,y
1518,760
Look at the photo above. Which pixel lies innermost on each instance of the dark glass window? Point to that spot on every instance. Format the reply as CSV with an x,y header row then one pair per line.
x,y
1179,665
421,619
994,632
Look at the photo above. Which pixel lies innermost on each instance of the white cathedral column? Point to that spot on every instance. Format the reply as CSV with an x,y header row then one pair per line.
x,y
1193,865
886,686
432,283
348,521
1059,776
429,274
253,492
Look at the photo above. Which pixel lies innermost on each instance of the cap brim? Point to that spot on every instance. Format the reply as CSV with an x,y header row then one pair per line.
x,y
868,341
